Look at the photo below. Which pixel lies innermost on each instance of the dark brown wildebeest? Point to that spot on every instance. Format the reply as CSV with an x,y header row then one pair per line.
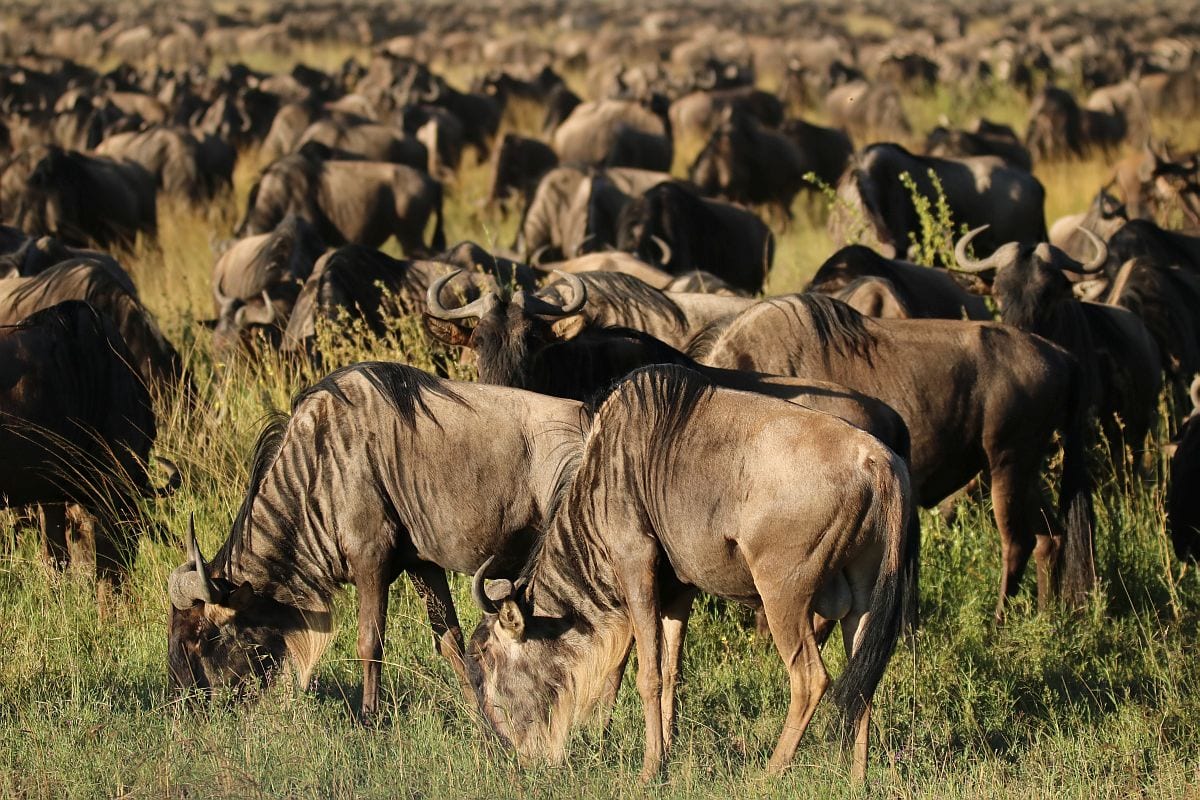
x,y
984,138
980,190
698,113
174,157
744,162
153,356
35,256
824,151
616,133
649,521
369,140
76,426
1059,128
358,202
256,281
319,513
925,292
83,199
672,226
975,395
1119,360
1183,499
520,165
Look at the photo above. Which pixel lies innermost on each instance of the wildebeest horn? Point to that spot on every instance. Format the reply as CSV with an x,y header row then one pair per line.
x,y
536,258
665,248
433,299
247,315
189,583
1101,256
479,592
536,305
967,264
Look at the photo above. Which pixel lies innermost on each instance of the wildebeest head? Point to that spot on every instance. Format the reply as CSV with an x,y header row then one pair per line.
x,y
287,186
1029,280
518,665
509,328
220,634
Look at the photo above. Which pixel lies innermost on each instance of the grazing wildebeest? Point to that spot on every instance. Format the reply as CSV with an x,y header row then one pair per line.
x,y
83,199
824,151
154,358
926,292
980,190
175,158
320,513
369,140
698,113
256,281
672,226
650,520
76,426
1118,357
357,202
974,395
1058,127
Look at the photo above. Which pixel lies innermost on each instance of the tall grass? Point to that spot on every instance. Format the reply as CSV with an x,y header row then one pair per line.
x,y
1104,703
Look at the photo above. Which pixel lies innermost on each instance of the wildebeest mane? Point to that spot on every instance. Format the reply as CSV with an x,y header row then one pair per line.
x,y
638,300
401,386
266,450
836,325
667,394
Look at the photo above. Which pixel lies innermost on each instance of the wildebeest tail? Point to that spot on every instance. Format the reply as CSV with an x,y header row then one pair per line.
x,y
891,513
1077,564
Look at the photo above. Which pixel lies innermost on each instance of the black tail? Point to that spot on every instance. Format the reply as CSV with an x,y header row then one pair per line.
x,y
893,511
1077,561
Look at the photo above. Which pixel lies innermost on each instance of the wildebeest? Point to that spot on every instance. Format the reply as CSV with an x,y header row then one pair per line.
x,y
698,113
1118,356
980,190
520,165
746,163
35,256
615,133
319,512
256,281
1058,127
83,199
986,396
984,138
1183,499
371,141
926,292
823,151
671,226
866,109
649,521
360,202
175,158
76,426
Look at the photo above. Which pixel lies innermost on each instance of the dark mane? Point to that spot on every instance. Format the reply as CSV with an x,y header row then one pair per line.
x,y
266,449
702,343
668,394
292,234
636,300
836,325
402,386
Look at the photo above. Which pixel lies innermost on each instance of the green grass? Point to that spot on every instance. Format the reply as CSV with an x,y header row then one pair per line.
x,y
1103,703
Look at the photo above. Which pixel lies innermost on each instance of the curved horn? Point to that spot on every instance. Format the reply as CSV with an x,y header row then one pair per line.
x,y
536,259
249,315
967,264
536,305
665,258
1097,261
433,299
478,592
189,582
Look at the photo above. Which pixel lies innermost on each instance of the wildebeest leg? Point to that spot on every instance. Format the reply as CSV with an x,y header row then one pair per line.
x,y
53,523
372,620
1012,503
674,629
608,695
862,578
791,628
430,583
638,567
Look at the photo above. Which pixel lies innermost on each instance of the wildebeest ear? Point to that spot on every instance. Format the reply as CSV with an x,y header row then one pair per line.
x,y
446,331
568,328
512,620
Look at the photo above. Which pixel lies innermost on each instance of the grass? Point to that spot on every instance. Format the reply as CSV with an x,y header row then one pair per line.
x,y
1103,703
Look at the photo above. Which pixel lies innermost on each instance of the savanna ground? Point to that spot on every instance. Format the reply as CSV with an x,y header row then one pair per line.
x,y
1104,703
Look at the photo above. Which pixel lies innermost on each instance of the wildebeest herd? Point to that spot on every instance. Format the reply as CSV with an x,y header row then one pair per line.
x,y
648,424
